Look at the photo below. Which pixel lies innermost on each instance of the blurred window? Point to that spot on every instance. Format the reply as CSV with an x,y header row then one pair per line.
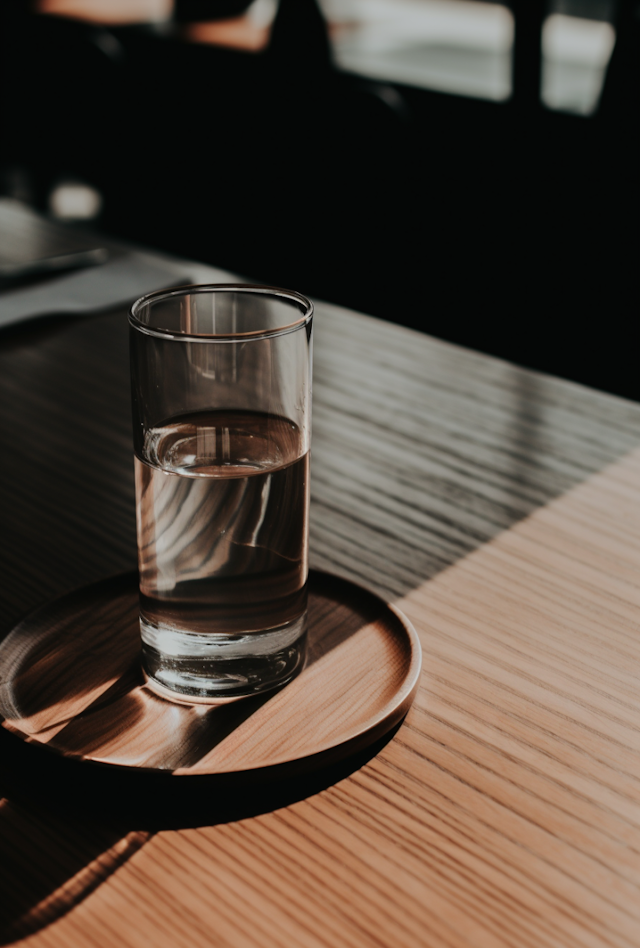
x,y
458,46
465,47
575,56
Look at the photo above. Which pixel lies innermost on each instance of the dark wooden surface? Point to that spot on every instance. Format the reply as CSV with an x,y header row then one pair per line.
x,y
498,815
422,451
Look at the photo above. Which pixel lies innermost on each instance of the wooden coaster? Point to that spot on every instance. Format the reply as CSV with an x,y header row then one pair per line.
x,y
70,680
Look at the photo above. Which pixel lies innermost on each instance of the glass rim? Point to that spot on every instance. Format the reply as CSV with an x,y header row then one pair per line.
x,y
195,288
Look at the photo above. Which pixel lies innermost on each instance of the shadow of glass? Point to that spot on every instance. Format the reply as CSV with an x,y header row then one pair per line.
x,y
56,851
51,862
67,655
70,677
74,689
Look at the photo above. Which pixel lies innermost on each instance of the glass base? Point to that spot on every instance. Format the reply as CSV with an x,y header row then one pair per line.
x,y
196,668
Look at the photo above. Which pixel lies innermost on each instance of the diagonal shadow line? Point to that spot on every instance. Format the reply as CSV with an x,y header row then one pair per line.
x,y
335,614
131,678
228,718
171,811
524,470
57,853
68,855
51,862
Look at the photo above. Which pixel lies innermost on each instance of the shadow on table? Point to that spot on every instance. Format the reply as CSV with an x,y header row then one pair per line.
x,y
52,861
56,855
71,690
71,687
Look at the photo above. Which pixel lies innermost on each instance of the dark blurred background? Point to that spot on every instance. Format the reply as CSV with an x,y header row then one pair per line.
x,y
468,169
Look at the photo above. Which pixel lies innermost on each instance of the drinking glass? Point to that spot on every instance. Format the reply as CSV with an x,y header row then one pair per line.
x,y
221,391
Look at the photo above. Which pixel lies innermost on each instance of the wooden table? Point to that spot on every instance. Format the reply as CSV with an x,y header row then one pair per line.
x,y
501,510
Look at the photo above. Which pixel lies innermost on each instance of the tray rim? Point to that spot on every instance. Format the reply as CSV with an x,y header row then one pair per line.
x,y
351,742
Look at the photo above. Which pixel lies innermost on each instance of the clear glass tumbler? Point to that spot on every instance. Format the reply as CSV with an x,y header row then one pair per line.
x,y
221,389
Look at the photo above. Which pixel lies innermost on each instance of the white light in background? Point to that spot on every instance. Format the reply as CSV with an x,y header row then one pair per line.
x,y
475,25
262,12
576,53
465,47
574,39
75,201
460,46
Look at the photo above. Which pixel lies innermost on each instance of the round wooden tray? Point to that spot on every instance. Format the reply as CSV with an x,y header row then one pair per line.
x,y
70,682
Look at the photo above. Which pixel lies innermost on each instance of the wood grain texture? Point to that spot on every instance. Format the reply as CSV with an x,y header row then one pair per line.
x,y
422,451
505,810
71,680
36,888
